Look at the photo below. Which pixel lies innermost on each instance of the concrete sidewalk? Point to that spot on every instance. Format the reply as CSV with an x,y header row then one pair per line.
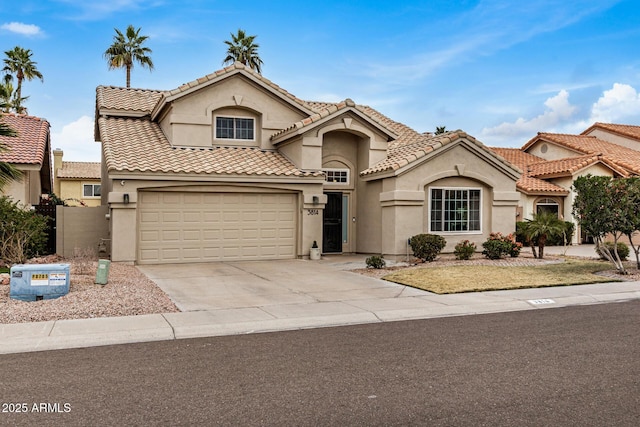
x,y
330,297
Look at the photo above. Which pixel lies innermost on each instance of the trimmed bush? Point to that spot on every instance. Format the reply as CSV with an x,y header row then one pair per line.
x,y
426,247
498,246
623,250
375,261
464,250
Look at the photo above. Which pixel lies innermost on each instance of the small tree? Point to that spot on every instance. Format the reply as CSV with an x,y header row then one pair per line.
x,y
601,206
543,226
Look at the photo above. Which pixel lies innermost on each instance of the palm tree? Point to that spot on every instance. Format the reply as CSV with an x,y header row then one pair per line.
x,y
7,171
9,98
440,129
18,62
543,226
128,49
242,49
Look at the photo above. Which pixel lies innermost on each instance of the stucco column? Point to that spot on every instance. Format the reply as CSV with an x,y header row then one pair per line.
x,y
124,227
311,221
402,218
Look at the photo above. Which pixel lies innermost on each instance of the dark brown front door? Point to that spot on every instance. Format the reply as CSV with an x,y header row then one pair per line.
x,y
332,224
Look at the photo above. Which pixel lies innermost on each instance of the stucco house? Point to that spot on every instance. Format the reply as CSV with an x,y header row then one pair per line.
x,y
551,163
77,183
29,152
231,166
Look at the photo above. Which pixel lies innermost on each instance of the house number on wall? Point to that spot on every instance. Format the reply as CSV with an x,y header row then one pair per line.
x,y
313,212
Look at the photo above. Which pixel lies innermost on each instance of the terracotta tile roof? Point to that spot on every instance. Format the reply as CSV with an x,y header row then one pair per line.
x,y
629,131
528,183
124,99
30,146
622,156
154,153
402,154
326,110
75,170
571,165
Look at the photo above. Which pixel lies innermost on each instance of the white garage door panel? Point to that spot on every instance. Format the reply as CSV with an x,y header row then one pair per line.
x,y
198,227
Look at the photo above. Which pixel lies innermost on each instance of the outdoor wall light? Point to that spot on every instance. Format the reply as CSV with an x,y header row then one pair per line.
x,y
316,200
125,198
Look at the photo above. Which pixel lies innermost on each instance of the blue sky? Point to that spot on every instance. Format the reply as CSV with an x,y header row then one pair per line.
x,y
499,70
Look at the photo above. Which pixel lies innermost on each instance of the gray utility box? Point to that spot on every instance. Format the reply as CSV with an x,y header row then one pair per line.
x,y
33,282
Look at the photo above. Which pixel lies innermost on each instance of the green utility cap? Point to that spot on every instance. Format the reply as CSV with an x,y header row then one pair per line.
x,y
102,275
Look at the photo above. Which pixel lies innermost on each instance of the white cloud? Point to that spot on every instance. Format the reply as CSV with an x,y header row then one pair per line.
x,y
21,28
76,140
558,111
620,103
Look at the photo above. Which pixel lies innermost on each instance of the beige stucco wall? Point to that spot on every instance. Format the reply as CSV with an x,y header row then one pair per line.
x,y
27,190
553,151
405,198
71,190
616,139
80,228
190,119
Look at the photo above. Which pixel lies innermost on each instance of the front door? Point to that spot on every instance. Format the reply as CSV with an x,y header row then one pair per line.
x,y
332,224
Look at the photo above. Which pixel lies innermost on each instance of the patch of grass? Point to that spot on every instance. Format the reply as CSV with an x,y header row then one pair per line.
x,y
475,278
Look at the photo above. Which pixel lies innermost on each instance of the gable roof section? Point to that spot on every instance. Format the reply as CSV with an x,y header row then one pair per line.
x,y
328,112
30,146
571,165
585,144
79,170
402,155
527,183
152,153
629,131
237,68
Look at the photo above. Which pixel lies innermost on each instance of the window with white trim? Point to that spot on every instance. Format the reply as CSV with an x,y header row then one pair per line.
x,y
547,205
91,190
235,128
455,209
336,176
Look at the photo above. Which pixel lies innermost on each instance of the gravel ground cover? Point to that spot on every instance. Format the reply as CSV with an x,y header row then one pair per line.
x,y
128,292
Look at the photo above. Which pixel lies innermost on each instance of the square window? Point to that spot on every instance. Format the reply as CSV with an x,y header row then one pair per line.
x,y
235,128
455,210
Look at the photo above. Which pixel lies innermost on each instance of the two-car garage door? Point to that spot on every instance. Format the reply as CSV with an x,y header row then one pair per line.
x,y
198,227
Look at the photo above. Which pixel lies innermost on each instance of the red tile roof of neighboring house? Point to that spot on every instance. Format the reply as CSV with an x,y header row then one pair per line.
x,y
570,165
621,156
629,131
30,146
528,183
79,170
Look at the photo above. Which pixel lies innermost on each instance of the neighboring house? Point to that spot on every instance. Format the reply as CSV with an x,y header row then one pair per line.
x,y
231,166
551,163
77,183
30,153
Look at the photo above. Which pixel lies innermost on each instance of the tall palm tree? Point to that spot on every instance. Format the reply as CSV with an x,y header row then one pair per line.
x,y
19,63
242,49
7,171
127,49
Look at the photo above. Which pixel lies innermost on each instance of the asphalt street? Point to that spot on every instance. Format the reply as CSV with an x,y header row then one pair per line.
x,y
566,366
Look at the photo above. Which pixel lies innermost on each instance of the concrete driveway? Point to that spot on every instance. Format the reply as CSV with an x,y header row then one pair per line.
x,y
227,285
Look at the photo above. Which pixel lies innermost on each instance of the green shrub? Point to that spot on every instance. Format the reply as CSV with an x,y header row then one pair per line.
x,y
375,261
623,250
22,232
464,250
498,246
426,247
